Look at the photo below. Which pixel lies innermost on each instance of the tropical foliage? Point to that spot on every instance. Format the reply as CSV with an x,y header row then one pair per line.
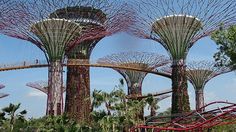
x,y
10,120
112,112
118,120
226,40
120,113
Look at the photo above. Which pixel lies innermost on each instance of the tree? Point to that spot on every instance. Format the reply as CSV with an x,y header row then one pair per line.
x,y
120,113
153,103
226,41
15,120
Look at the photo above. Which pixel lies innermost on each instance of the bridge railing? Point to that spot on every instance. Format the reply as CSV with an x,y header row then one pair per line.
x,y
24,63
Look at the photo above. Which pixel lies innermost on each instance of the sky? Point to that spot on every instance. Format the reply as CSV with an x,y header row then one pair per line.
x,y
13,50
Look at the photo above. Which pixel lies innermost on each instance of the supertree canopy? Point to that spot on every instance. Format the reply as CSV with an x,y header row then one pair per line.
x,y
41,86
2,86
199,73
98,21
7,9
177,25
43,23
2,95
144,60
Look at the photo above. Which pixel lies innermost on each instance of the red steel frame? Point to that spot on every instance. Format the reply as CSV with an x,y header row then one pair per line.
x,y
196,120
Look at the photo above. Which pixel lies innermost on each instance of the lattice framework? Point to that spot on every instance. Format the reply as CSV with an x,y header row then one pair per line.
x,y
145,60
200,72
177,24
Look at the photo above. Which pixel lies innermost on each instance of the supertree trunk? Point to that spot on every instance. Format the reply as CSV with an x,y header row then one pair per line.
x,y
180,98
135,89
55,91
199,99
78,105
153,111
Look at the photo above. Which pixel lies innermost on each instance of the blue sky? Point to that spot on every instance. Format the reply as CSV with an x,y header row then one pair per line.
x,y
14,50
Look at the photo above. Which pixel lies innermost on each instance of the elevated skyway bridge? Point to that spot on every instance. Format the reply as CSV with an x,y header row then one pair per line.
x,y
75,62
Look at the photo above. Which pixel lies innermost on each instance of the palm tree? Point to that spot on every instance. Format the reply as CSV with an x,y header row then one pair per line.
x,y
121,113
11,111
152,102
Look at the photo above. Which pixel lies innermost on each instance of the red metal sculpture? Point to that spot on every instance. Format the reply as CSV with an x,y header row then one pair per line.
x,y
217,113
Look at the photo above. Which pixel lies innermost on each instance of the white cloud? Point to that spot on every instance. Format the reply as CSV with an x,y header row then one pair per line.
x,y
36,94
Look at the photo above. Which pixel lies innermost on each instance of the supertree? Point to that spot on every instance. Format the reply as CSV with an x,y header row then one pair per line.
x,y
134,79
54,35
177,25
143,60
2,95
100,20
41,86
2,86
199,73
